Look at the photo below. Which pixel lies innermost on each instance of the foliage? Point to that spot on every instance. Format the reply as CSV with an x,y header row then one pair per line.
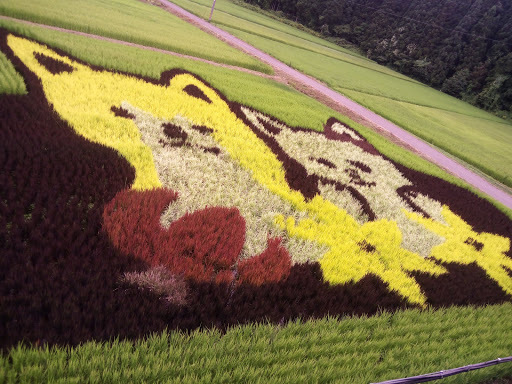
x,y
10,80
131,21
354,350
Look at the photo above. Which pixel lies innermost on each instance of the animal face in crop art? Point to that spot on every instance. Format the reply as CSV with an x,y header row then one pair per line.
x,y
223,195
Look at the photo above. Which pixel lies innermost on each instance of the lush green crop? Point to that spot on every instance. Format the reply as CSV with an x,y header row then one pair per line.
x,y
353,350
484,132
131,21
229,15
10,81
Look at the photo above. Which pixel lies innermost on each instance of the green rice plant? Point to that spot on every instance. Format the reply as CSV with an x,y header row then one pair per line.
x,y
232,15
354,350
10,81
132,21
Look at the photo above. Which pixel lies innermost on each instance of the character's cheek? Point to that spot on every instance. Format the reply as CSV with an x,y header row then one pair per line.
x,y
202,246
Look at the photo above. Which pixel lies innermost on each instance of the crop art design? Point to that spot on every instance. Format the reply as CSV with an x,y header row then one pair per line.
x,y
202,211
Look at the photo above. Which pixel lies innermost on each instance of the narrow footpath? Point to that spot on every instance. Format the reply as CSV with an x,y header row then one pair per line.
x,y
333,99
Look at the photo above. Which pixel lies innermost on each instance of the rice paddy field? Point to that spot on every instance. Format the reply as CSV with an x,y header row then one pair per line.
x,y
166,220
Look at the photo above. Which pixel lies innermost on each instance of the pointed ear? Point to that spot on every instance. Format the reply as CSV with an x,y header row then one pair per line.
x,y
336,130
39,58
266,123
52,65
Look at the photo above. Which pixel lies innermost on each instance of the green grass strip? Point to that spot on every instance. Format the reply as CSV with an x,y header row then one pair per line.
x,y
132,21
352,350
10,81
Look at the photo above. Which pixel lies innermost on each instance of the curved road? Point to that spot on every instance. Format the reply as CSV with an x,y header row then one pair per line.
x,y
301,81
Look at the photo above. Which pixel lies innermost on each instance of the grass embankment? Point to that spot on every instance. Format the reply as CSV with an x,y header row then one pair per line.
x,y
131,21
353,350
265,95
478,137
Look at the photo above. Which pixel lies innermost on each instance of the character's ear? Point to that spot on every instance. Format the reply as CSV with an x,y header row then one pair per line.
x,y
190,84
266,123
52,65
336,130
195,91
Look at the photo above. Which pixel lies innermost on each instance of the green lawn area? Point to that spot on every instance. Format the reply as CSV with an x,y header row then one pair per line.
x,y
132,21
352,350
401,100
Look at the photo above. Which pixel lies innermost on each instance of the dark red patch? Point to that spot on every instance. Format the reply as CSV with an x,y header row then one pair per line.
x,y
323,161
194,91
271,266
121,112
407,193
367,247
361,142
365,206
197,246
476,244
175,133
214,150
52,65
355,178
462,285
270,128
361,166
202,129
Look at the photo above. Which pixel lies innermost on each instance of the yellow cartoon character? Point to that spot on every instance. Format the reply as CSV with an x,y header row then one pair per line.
x,y
115,109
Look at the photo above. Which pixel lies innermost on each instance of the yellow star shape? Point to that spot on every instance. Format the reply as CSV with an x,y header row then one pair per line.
x,y
465,246
355,251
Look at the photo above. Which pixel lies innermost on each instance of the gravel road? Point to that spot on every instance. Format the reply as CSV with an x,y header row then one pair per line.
x,y
352,109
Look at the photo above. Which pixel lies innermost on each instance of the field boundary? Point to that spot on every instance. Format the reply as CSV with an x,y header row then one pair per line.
x,y
343,104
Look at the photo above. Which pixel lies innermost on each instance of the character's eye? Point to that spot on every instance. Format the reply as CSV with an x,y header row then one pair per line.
x,y
52,65
323,161
194,91
174,132
202,129
361,166
121,112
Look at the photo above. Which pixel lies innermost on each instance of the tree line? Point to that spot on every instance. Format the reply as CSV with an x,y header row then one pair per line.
x,y
462,47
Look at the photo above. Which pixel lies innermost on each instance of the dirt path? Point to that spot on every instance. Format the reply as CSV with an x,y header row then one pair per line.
x,y
122,42
321,92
